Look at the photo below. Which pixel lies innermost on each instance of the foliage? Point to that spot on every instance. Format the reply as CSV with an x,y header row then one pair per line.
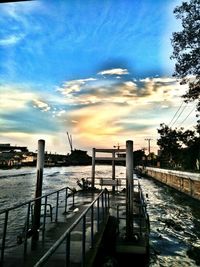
x,y
186,49
186,44
138,157
179,148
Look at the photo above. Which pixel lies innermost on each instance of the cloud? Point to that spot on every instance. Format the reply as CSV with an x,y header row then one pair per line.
x,y
73,86
91,91
11,40
13,98
103,107
93,109
43,106
117,71
20,111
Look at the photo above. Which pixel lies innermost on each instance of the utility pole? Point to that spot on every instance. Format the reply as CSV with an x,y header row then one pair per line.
x,y
149,146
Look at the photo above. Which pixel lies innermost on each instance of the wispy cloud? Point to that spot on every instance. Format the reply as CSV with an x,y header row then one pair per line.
x,y
117,71
73,86
11,40
43,106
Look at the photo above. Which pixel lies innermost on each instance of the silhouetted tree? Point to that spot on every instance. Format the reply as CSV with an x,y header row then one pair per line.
x,y
178,148
169,143
186,49
138,157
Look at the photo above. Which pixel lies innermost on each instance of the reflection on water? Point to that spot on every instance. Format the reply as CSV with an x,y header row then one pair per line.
x,y
174,218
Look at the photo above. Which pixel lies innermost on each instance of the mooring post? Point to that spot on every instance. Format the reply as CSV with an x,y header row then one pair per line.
x,y
113,170
129,189
38,190
93,167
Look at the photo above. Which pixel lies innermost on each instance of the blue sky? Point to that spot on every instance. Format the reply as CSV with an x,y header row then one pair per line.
x,y
99,69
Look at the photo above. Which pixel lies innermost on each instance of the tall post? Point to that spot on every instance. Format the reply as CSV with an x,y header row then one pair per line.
x,y
38,190
113,170
93,167
129,189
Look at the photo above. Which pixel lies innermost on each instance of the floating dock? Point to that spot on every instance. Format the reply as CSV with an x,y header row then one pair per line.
x,y
105,222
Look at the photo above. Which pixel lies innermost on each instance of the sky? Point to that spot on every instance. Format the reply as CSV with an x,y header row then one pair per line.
x,y
97,69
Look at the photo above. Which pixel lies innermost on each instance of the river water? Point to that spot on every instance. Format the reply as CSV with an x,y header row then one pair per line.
x,y
174,218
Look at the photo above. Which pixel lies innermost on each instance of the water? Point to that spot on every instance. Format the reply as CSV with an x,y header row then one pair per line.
x,y
174,218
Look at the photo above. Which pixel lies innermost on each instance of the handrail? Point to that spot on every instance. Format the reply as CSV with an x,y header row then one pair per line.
x,y
27,219
66,235
33,200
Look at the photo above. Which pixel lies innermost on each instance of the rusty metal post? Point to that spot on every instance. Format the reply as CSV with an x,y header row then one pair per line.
x,y
129,189
38,191
93,167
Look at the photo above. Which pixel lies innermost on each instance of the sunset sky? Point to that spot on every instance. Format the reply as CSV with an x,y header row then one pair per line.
x,y
99,69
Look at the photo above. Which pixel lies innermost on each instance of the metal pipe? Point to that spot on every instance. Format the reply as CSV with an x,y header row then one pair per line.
x,y
98,214
83,240
45,213
27,228
93,167
92,226
68,250
57,200
38,192
113,170
66,196
4,237
129,189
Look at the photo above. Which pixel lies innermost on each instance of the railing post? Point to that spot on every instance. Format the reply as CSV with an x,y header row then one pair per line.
x,y
102,206
92,226
38,192
4,237
45,213
129,189
68,250
98,215
66,196
27,228
83,240
57,202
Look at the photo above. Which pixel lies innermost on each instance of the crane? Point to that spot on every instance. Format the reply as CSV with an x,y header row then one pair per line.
x,y
70,141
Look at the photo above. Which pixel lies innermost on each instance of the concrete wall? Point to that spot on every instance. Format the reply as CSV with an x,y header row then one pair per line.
x,y
188,183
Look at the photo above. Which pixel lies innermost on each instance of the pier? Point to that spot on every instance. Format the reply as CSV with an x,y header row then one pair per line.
x,y
103,221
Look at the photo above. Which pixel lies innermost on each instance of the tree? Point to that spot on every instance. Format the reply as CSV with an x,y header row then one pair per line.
x,y
186,49
169,143
178,148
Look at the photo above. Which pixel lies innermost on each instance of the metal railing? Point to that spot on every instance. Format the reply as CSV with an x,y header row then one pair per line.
x,y
101,204
141,219
28,217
